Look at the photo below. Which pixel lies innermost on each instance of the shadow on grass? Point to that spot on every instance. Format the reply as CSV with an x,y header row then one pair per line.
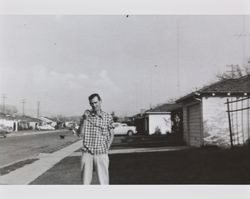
x,y
192,166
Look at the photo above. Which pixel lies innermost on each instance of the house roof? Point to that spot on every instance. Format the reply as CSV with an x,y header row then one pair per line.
x,y
239,85
19,117
163,108
5,116
26,118
229,85
47,119
30,119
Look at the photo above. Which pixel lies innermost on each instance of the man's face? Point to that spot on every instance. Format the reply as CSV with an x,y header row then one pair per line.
x,y
95,103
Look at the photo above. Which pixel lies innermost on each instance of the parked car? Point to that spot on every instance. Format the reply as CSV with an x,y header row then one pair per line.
x,y
124,129
45,127
71,125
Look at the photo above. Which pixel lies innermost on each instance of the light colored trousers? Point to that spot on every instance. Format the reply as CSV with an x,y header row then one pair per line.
x,y
98,162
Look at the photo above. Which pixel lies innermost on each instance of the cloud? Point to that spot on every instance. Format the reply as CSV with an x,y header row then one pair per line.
x,y
38,79
104,81
54,79
82,76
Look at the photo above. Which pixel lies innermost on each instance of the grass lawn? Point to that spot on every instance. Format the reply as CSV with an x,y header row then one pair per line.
x,y
192,166
8,169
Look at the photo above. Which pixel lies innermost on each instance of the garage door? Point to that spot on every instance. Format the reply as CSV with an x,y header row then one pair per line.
x,y
194,125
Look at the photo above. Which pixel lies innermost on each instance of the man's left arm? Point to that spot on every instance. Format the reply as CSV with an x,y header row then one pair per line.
x,y
111,131
111,137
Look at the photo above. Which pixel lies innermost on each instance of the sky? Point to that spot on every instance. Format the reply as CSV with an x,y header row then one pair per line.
x,y
133,62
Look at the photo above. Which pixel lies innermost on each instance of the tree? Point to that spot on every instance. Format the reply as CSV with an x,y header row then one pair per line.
x,y
8,109
115,118
235,72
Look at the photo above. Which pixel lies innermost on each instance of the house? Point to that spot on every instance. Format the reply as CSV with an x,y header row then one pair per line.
x,y
48,121
9,122
30,122
217,114
17,122
157,120
23,124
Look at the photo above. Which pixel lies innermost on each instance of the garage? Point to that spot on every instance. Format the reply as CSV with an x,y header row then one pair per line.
x,y
194,124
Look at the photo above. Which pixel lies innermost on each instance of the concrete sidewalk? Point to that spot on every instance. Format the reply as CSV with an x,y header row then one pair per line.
x,y
139,150
28,173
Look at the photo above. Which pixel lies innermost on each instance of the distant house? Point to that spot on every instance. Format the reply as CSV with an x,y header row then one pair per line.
x,y
157,120
30,122
17,122
48,121
217,114
9,122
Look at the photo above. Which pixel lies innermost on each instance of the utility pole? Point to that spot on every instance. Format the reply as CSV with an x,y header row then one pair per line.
x,y
151,85
38,109
244,40
23,102
178,55
4,97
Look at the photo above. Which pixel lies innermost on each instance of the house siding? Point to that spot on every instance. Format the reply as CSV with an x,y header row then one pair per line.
x,y
12,124
216,124
185,125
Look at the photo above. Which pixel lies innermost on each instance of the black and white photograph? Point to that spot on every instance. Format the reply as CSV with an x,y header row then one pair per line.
x,y
124,99
173,90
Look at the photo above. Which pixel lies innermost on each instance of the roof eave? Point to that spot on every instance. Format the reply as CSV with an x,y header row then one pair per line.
x,y
163,112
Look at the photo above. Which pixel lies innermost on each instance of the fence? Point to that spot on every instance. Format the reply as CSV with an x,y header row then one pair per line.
x,y
238,119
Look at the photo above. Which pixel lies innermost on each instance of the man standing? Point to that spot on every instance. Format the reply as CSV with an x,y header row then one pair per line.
x,y
97,133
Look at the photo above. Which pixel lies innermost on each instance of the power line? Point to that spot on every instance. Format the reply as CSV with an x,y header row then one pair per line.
x,y
153,69
178,56
23,102
4,97
38,109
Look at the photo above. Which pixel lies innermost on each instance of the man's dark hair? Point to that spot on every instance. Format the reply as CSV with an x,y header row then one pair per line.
x,y
95,95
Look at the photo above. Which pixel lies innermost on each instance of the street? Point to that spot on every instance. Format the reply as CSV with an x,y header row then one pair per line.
x,y
18,148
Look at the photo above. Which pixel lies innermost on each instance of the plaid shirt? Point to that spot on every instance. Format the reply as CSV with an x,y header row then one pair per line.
x,y
96,132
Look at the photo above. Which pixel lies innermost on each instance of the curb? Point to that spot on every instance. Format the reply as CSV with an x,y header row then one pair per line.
x,y
17,134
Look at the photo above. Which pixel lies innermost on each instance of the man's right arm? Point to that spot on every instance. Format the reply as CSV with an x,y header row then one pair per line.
x,y
84,117
79,130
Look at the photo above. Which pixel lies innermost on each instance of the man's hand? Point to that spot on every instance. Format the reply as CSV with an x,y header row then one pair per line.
x,y
75,132
112,134
84,117
86,114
